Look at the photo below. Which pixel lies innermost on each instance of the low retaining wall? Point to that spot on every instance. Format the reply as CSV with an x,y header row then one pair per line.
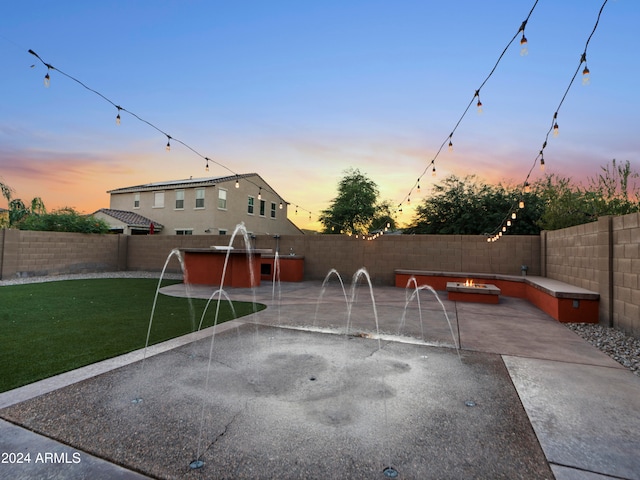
x,y
563,302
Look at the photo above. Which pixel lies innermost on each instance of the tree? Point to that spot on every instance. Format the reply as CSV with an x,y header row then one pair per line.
x,y
611,190
384,219
567,204
356,207
468,206
17,208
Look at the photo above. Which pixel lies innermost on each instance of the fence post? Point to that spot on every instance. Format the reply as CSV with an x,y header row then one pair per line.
x,y
605,270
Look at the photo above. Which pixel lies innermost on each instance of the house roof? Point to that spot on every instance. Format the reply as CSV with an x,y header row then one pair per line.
x,y
131,219
189,182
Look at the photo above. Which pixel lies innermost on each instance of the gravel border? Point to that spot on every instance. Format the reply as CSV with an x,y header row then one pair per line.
x,y
623,348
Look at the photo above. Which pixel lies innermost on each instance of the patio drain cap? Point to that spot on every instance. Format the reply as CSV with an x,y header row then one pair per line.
x,y
390,472
196,464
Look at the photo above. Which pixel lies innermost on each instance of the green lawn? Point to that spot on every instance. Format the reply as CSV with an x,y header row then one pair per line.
x,y
50,328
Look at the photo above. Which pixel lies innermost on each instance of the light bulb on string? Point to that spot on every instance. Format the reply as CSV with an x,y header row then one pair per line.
x,y
207,165
433,171
281,206
47,80
542,163
555,125
586,76
508,223
524,50
118,116
418,185
237,183
513,216
479,105
527,187
451,142
168,147
521,204
260,194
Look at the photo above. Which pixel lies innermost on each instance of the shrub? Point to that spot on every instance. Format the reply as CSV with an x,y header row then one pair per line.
x,y
64,220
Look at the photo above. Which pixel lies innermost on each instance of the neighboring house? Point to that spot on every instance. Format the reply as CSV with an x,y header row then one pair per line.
x,y
199,206
128,223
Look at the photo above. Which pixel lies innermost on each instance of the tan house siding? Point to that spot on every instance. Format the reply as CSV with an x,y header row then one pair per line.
x,y
209,219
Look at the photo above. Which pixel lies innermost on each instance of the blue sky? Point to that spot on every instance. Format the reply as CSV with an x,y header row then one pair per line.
x,y
300,91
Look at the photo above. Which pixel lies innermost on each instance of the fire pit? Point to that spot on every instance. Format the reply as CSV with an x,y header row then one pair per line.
x,y
469,291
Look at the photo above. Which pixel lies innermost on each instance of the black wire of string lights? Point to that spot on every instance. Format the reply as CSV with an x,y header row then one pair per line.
x,y
519,204
47,82
476,98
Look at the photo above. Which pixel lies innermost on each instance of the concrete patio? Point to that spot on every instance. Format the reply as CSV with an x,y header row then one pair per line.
x,y
288,395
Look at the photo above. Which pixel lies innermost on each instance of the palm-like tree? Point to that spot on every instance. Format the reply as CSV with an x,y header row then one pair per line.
x,y
17,208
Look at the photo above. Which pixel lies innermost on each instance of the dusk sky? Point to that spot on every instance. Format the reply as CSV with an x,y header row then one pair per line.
x,y
300,91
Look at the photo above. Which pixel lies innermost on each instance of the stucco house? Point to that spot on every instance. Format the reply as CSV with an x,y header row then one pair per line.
x,y
199,206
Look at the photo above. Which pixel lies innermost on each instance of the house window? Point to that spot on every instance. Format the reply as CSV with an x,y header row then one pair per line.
x,y
184,231
136,200
262,207
250,206
199,197
179,199
222,199
158,200
273,210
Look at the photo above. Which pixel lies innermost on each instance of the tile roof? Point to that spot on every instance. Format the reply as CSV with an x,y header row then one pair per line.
x,y
130,218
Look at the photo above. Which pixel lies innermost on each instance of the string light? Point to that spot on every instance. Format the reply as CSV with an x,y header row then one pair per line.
x,y
47,80
433,171
121,109
260,194
524,51
479,104
586,74
554,124
513,216
448,140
